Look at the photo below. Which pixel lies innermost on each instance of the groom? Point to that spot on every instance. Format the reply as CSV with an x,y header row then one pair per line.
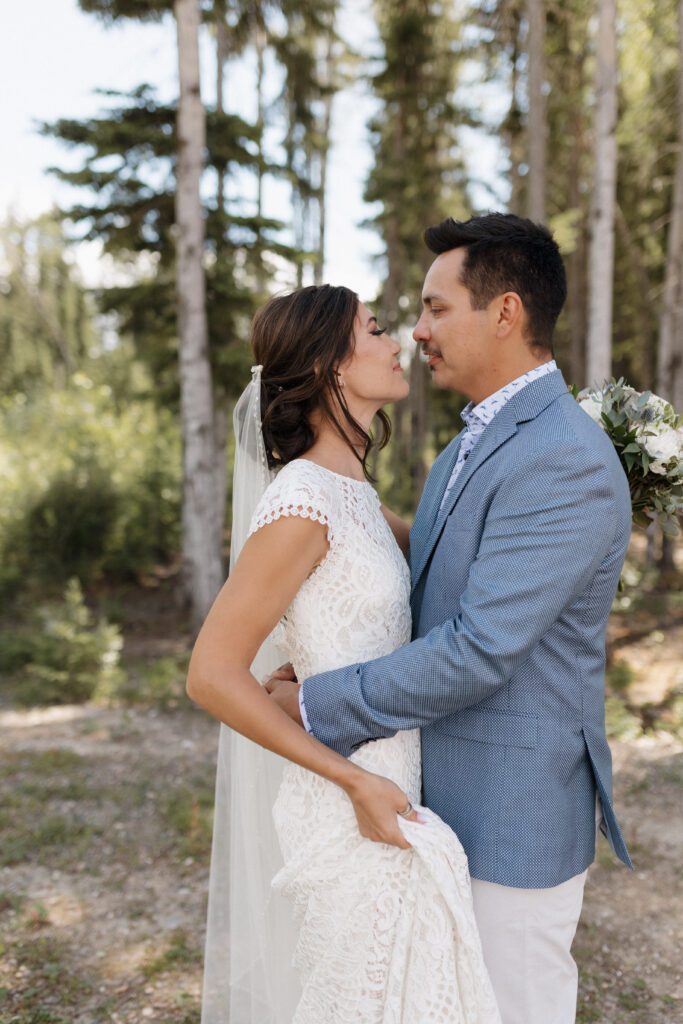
x,y
515,555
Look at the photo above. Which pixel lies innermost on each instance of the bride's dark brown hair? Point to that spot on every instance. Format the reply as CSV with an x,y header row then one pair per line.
x,y
300,339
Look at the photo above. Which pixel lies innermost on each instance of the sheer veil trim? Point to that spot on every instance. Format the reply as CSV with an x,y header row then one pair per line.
x,y
248,973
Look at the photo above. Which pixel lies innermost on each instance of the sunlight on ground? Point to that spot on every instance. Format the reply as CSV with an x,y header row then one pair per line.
x,y
45,716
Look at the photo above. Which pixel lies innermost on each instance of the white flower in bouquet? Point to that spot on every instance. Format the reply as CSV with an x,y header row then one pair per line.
x,y
663,446
593,406
647,435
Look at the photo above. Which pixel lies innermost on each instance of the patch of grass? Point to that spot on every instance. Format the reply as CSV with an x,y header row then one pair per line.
x,y
604,856
31,827
42,763
179,954
157,683
128,794
48,790
621,724
619,676
188,810
49,972
37,916
56,759
586,1014
54,838
11,902
39,1015
587,1011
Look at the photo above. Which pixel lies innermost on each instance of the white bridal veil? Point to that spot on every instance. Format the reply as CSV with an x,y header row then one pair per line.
x,y
248,976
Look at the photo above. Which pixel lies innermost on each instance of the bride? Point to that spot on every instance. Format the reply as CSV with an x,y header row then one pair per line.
x,y
315,917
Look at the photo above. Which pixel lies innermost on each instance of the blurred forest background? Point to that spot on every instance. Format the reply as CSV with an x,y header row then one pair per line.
x,y
115,436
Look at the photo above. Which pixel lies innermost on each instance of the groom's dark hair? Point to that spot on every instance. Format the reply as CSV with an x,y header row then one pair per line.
x,y
506,253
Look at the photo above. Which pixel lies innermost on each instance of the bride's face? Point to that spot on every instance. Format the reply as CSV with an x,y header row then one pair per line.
x,y
372,374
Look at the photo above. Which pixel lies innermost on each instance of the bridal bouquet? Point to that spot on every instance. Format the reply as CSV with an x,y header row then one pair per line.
x,y
648,436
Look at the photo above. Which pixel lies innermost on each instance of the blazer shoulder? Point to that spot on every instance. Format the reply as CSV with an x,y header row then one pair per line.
x,y
567,437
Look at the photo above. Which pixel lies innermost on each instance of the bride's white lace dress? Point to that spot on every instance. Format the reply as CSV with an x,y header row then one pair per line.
x,y
385,935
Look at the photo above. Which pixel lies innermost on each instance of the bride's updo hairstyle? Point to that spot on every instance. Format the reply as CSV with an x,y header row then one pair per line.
x,y
300,339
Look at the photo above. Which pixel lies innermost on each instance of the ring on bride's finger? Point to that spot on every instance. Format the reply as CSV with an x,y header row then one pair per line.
x,y
408,810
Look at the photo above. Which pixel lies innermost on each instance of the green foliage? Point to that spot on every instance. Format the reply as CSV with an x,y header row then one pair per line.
x,y
188,811
67,657
118,10
69,527
620,722
619,677
159,683
179,954
47,319
86,488
417,176
128,204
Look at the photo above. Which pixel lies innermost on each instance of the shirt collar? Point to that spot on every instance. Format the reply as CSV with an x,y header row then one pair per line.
x,y
479,416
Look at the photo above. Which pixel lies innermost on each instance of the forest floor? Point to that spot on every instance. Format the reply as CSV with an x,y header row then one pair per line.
x,y
104,853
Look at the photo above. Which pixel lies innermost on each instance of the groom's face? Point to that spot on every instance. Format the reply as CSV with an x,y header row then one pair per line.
x,y
458,341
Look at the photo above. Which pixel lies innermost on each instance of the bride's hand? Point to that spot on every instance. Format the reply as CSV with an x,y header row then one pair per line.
x,y
377,802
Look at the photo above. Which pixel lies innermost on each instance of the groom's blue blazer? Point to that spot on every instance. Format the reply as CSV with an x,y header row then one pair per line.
x,y
513,581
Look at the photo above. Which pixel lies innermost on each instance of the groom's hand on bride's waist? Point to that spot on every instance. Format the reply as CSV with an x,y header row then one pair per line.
x,y
284,690
284,672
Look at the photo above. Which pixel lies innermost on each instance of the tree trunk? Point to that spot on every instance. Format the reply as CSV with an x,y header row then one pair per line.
x,y
513,122
576,277
536,129
260,42
601,260
670,349
222,50
324,128
201,556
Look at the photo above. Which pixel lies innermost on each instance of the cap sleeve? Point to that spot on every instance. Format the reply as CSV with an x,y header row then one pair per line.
x,y
300,489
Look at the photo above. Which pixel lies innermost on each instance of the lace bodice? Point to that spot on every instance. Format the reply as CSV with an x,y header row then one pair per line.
x,y
355,605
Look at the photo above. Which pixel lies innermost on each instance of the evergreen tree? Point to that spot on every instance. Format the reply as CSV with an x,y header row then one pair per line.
x,y
418,178
311,53
48,327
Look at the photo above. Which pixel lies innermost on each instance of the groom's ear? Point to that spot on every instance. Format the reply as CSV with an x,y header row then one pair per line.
x,y
509,313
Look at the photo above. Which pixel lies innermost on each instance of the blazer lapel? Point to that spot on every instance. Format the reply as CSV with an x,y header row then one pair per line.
x,y
525,405
493,437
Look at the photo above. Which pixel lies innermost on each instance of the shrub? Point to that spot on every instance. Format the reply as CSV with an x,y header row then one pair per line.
x,y
70,657
69,527
159,683
86,487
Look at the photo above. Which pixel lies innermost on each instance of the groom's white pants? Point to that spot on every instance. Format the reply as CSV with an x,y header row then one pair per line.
x,y
526,936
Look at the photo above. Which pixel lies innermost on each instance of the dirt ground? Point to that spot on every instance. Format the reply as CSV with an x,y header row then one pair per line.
x,y
105,828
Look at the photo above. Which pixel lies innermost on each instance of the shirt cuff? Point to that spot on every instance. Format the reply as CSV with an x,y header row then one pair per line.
x,y
302,709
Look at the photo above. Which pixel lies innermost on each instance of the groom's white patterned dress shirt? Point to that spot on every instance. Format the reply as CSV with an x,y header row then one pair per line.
x,y
476,419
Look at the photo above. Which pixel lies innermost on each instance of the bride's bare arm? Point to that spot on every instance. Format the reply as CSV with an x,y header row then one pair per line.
x,y
273,564
399,527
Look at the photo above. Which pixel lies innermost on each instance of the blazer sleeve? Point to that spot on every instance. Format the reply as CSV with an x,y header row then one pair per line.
x,y
547,531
